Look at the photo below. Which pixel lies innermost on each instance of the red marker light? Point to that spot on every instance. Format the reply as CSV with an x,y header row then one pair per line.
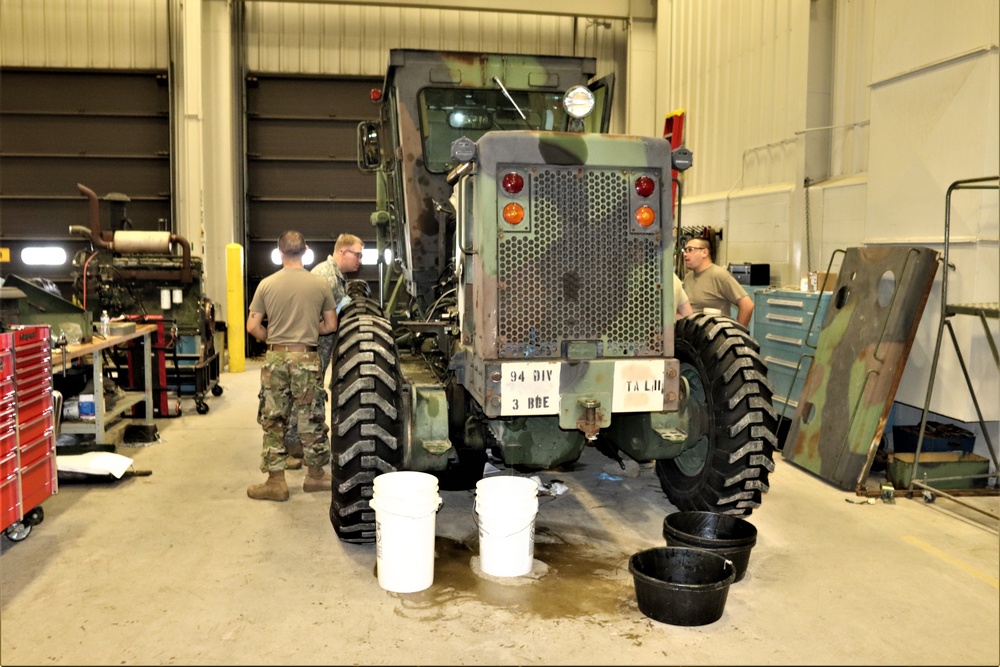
x,y
512,182
375,95
645,216
513,213
644,186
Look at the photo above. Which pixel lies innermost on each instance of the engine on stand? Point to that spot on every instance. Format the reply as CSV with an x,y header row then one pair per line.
x,y
136,276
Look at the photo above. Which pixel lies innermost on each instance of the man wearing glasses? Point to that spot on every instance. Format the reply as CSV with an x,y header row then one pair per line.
x,y
708,285
346,258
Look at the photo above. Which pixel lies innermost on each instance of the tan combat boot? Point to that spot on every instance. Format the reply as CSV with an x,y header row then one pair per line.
x,y
317,479
293,463
274,488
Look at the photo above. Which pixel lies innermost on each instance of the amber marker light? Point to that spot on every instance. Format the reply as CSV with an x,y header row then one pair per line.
x,y
512,182
645,216
513,213
644,186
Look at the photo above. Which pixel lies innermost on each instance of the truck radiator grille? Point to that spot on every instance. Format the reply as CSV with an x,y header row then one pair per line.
x,y
580,270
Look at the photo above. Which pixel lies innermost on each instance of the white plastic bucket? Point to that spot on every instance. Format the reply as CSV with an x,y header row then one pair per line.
x,y
406,505
506,507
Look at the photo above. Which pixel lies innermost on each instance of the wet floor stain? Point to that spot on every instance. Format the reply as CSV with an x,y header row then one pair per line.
x,y
568,580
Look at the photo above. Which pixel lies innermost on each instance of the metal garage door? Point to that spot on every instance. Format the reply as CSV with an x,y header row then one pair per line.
x,y
301,167
109,130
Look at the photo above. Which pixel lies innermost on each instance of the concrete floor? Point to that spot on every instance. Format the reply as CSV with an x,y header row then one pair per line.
x,y
180,567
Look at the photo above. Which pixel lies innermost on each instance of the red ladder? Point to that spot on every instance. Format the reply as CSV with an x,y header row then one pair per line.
x,y
673,131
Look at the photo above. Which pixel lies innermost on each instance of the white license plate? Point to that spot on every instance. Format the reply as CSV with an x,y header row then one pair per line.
x,y
530,388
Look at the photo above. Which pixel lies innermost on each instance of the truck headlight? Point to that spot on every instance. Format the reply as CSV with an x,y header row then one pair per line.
x,y
578,101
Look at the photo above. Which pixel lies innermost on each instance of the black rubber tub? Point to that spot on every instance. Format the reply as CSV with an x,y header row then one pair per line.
x,y
681,585
726,535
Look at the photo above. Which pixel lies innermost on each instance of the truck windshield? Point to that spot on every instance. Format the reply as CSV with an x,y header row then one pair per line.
x,y
450,113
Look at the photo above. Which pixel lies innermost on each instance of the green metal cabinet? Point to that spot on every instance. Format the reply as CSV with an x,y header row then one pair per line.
x,y
786,325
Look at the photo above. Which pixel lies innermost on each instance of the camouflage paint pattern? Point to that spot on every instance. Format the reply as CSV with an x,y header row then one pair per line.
x,y
420,231
860,357
596,261
537,441
290,394
579,280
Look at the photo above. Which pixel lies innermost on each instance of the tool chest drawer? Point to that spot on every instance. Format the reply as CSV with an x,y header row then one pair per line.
x,y
37,482
787,325
33,383
33,406
8,466
8,414
8,438
38,447
7,392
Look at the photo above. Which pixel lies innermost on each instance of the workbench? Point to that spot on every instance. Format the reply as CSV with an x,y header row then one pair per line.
x,y
105,421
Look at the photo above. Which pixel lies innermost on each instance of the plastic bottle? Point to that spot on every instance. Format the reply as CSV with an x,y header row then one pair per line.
x,y
105,324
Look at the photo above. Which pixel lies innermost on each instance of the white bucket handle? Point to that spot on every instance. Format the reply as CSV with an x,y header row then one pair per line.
x,y
371,504
475,518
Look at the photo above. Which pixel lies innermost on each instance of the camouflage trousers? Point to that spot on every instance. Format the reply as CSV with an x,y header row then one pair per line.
x,y
291,396
325,348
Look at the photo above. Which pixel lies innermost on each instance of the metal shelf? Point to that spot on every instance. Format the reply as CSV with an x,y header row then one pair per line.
x,y
88,426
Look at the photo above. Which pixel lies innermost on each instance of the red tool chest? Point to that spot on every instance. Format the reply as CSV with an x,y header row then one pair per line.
x,y
28,472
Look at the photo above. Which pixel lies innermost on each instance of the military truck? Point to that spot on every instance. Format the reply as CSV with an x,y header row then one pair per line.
x,y
525,306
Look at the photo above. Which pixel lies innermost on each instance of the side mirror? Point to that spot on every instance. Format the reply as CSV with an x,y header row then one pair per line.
x,y
681,158
369,157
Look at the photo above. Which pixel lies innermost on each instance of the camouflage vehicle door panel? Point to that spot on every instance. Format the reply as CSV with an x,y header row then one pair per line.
x,y
859,359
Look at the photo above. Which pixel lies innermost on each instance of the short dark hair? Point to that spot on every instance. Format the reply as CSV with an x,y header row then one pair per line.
x,y
292,243
708,244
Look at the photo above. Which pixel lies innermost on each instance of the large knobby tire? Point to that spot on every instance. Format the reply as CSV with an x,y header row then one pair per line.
x,y
366,420
358,307
726,470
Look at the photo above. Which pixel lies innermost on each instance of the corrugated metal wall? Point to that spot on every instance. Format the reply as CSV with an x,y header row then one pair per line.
x,y
98,34
352,39
321,38
306,38
330,38
851,95
739,71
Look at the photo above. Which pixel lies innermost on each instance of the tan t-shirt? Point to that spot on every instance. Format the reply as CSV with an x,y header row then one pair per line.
x,y
713,287
293,301
680,296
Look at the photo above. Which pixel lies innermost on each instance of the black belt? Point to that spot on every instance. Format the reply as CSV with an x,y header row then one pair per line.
x,y
292,348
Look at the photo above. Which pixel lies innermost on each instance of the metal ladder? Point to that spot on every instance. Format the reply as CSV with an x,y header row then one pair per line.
x,y
983,311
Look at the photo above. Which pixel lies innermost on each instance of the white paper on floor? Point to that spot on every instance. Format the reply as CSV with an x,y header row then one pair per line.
x,y
94,463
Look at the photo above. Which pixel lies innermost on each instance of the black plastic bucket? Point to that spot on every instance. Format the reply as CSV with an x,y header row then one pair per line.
x,y
680,585
729,536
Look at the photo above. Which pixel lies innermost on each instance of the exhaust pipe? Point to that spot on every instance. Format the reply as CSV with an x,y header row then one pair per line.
x,y
96,236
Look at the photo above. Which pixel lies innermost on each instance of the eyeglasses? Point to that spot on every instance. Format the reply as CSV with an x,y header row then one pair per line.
x,y
692,248
354,252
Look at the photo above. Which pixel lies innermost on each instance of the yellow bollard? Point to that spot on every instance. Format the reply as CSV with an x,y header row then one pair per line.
x,y
235,318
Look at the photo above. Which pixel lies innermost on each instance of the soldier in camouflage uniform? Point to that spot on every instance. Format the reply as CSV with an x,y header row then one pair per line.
x,y
346,258
299,308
